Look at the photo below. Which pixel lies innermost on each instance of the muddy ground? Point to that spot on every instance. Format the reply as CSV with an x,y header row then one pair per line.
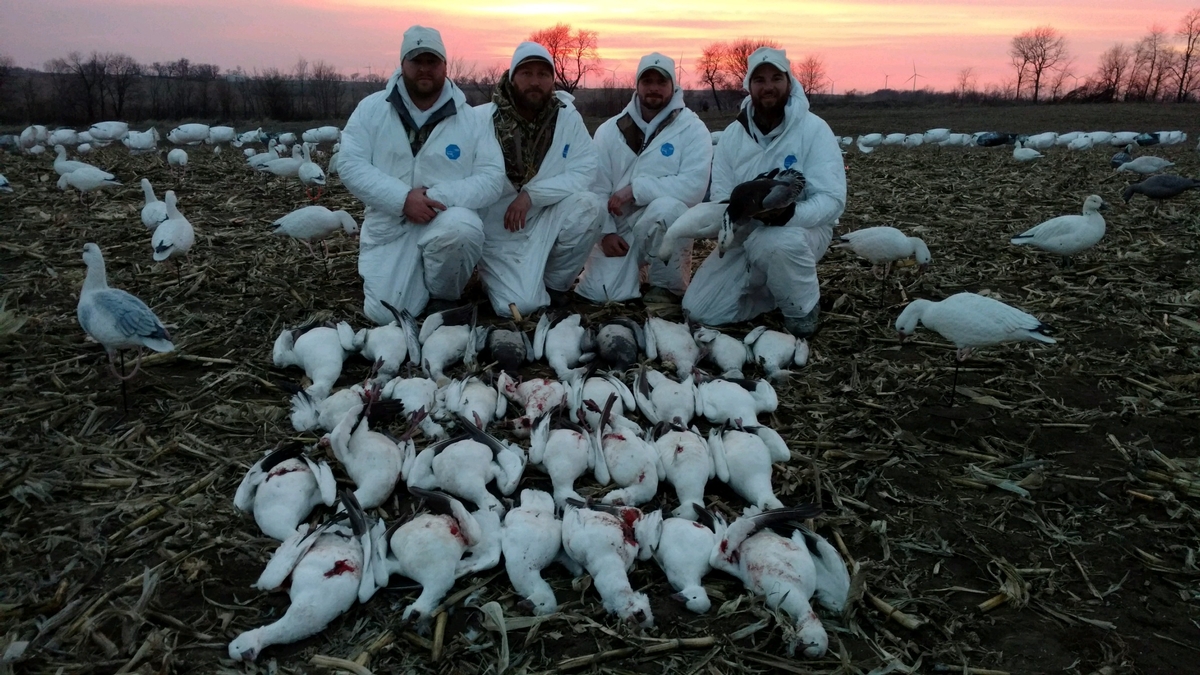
x,y
1045,524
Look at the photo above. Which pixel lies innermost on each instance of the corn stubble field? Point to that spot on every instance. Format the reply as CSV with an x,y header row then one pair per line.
x,y
1047,525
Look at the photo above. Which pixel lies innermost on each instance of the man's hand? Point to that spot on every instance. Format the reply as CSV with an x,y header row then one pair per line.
x,y
514,217
617,202
613,246
420,209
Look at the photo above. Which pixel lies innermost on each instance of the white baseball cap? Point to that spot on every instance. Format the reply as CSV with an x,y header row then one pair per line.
x,y
660,62
420,40
763,56
527,51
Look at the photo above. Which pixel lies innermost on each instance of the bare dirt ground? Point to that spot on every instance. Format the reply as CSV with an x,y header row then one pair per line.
x,y
1047,524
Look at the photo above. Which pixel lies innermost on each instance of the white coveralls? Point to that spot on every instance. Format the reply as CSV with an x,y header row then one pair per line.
x,y
669,175
560,228
774,266
407,263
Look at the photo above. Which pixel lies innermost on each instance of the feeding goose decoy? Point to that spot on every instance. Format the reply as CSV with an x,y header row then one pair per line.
x,y
531,539
1024,154
605,541
155,211
688,463
174,236
744,461
1068,235
563,451
141,142
1146,164
177,158
565,344
1081,142
538,395
444,337
766,199
282,488
63,166
682,551
330,568
775,351
671,343
86,180
786,571
662,399
319,350
427,549
868,142
882,245
464,466
1042,141
116,319
188,134
309,224
625,458
728,353
971,321
1158,188
1122,157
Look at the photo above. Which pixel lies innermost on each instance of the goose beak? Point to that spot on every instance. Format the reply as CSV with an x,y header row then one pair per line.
x,y
902,336
1103,206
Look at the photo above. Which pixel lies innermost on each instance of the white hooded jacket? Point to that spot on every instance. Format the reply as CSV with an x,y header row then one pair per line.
x,y
804,142
675,163
460,162
568,168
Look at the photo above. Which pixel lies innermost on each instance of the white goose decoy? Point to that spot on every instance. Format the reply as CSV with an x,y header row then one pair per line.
x,y
883,245
108,131
155,211
1100,137
37,150
971,321
427,549
372,460
140,142
390,345
331,167
785,571
249,152
743,461
67,137
1041,141
775,351
63,166
728,353
287,138
683,550
625,458
188,134
4,184
868,142
531,540
672,343
1024,154
1068,235
565,344
702,221
444,338
1081,142
311,176
174,236
254,136
604,540
913,140
417,394
938,135
309,224
282,488
86,180
116,319
662,399
1123,138
330,568
463,467
83,148
688,463
538,396
319,350
221,134
1146,165
177,158
260,159
285,167
893,139
563,451
471,399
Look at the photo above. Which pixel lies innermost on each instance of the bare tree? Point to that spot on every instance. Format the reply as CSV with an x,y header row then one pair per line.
x,y
811,74
964,84
1037,52
1057,81
327,88
711,69
1150,56
6,68
125,75
271,90
460,70
86,78
1112,72
575,53
1188,71
737,53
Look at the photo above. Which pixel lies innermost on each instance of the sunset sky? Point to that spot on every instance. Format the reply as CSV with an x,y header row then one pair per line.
x,y
860,41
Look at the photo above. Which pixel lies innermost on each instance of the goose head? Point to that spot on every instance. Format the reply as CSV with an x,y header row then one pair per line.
x,y
246,646
906,323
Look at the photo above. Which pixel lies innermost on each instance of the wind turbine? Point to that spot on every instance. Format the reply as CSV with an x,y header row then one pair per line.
x,y
680,72
914,77
885,79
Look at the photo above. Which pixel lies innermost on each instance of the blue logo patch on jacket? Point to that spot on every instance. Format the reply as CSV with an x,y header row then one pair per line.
x,y
566,149
453,151
789,161
667,149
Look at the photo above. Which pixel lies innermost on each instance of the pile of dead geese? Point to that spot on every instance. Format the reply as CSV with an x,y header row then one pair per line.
x,y
583,422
